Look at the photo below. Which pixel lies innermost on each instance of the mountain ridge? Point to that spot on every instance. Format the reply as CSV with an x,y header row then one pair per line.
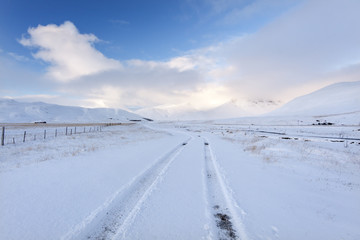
x,y
12,111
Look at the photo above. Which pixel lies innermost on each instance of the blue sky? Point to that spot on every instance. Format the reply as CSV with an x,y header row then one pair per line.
x,y
152,30
148,53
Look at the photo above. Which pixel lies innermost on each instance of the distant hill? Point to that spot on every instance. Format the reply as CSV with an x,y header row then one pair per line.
x,y
12,111
339,98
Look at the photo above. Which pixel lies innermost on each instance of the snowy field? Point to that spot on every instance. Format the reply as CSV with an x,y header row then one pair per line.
x,y
191,180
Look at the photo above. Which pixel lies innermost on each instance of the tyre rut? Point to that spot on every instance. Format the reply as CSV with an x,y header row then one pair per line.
x,y
114,221
226,222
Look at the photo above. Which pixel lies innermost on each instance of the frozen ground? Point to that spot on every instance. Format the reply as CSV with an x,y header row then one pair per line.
x,y
184,181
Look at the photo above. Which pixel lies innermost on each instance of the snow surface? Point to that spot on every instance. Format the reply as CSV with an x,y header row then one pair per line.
x,y
12,111
192,180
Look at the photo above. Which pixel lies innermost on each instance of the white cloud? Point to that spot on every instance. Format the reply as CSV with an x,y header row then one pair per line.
x,y
141,83
70,53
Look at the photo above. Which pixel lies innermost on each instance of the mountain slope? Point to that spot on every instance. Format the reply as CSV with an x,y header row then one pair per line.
x,y
12,111
337,98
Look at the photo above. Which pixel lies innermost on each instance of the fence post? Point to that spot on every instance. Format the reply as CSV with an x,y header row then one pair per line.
x,y
75,130
45,134
2,136
66,131
55,132
24,136
71,131
84,129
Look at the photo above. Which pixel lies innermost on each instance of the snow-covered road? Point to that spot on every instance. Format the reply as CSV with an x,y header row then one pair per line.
x,y
167,181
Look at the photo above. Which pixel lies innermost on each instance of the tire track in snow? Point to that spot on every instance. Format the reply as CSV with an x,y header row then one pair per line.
x,y
226,222
115,216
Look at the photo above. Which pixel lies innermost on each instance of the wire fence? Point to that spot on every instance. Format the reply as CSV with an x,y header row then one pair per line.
x,y
21,133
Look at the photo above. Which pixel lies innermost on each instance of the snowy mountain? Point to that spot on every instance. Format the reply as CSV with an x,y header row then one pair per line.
x,y
231,109
339,98
12,111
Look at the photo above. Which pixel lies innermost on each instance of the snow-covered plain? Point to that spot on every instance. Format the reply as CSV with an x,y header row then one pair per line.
x,y
184,180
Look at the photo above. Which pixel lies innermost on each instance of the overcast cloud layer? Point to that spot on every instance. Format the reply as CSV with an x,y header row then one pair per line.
x,y
312,45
